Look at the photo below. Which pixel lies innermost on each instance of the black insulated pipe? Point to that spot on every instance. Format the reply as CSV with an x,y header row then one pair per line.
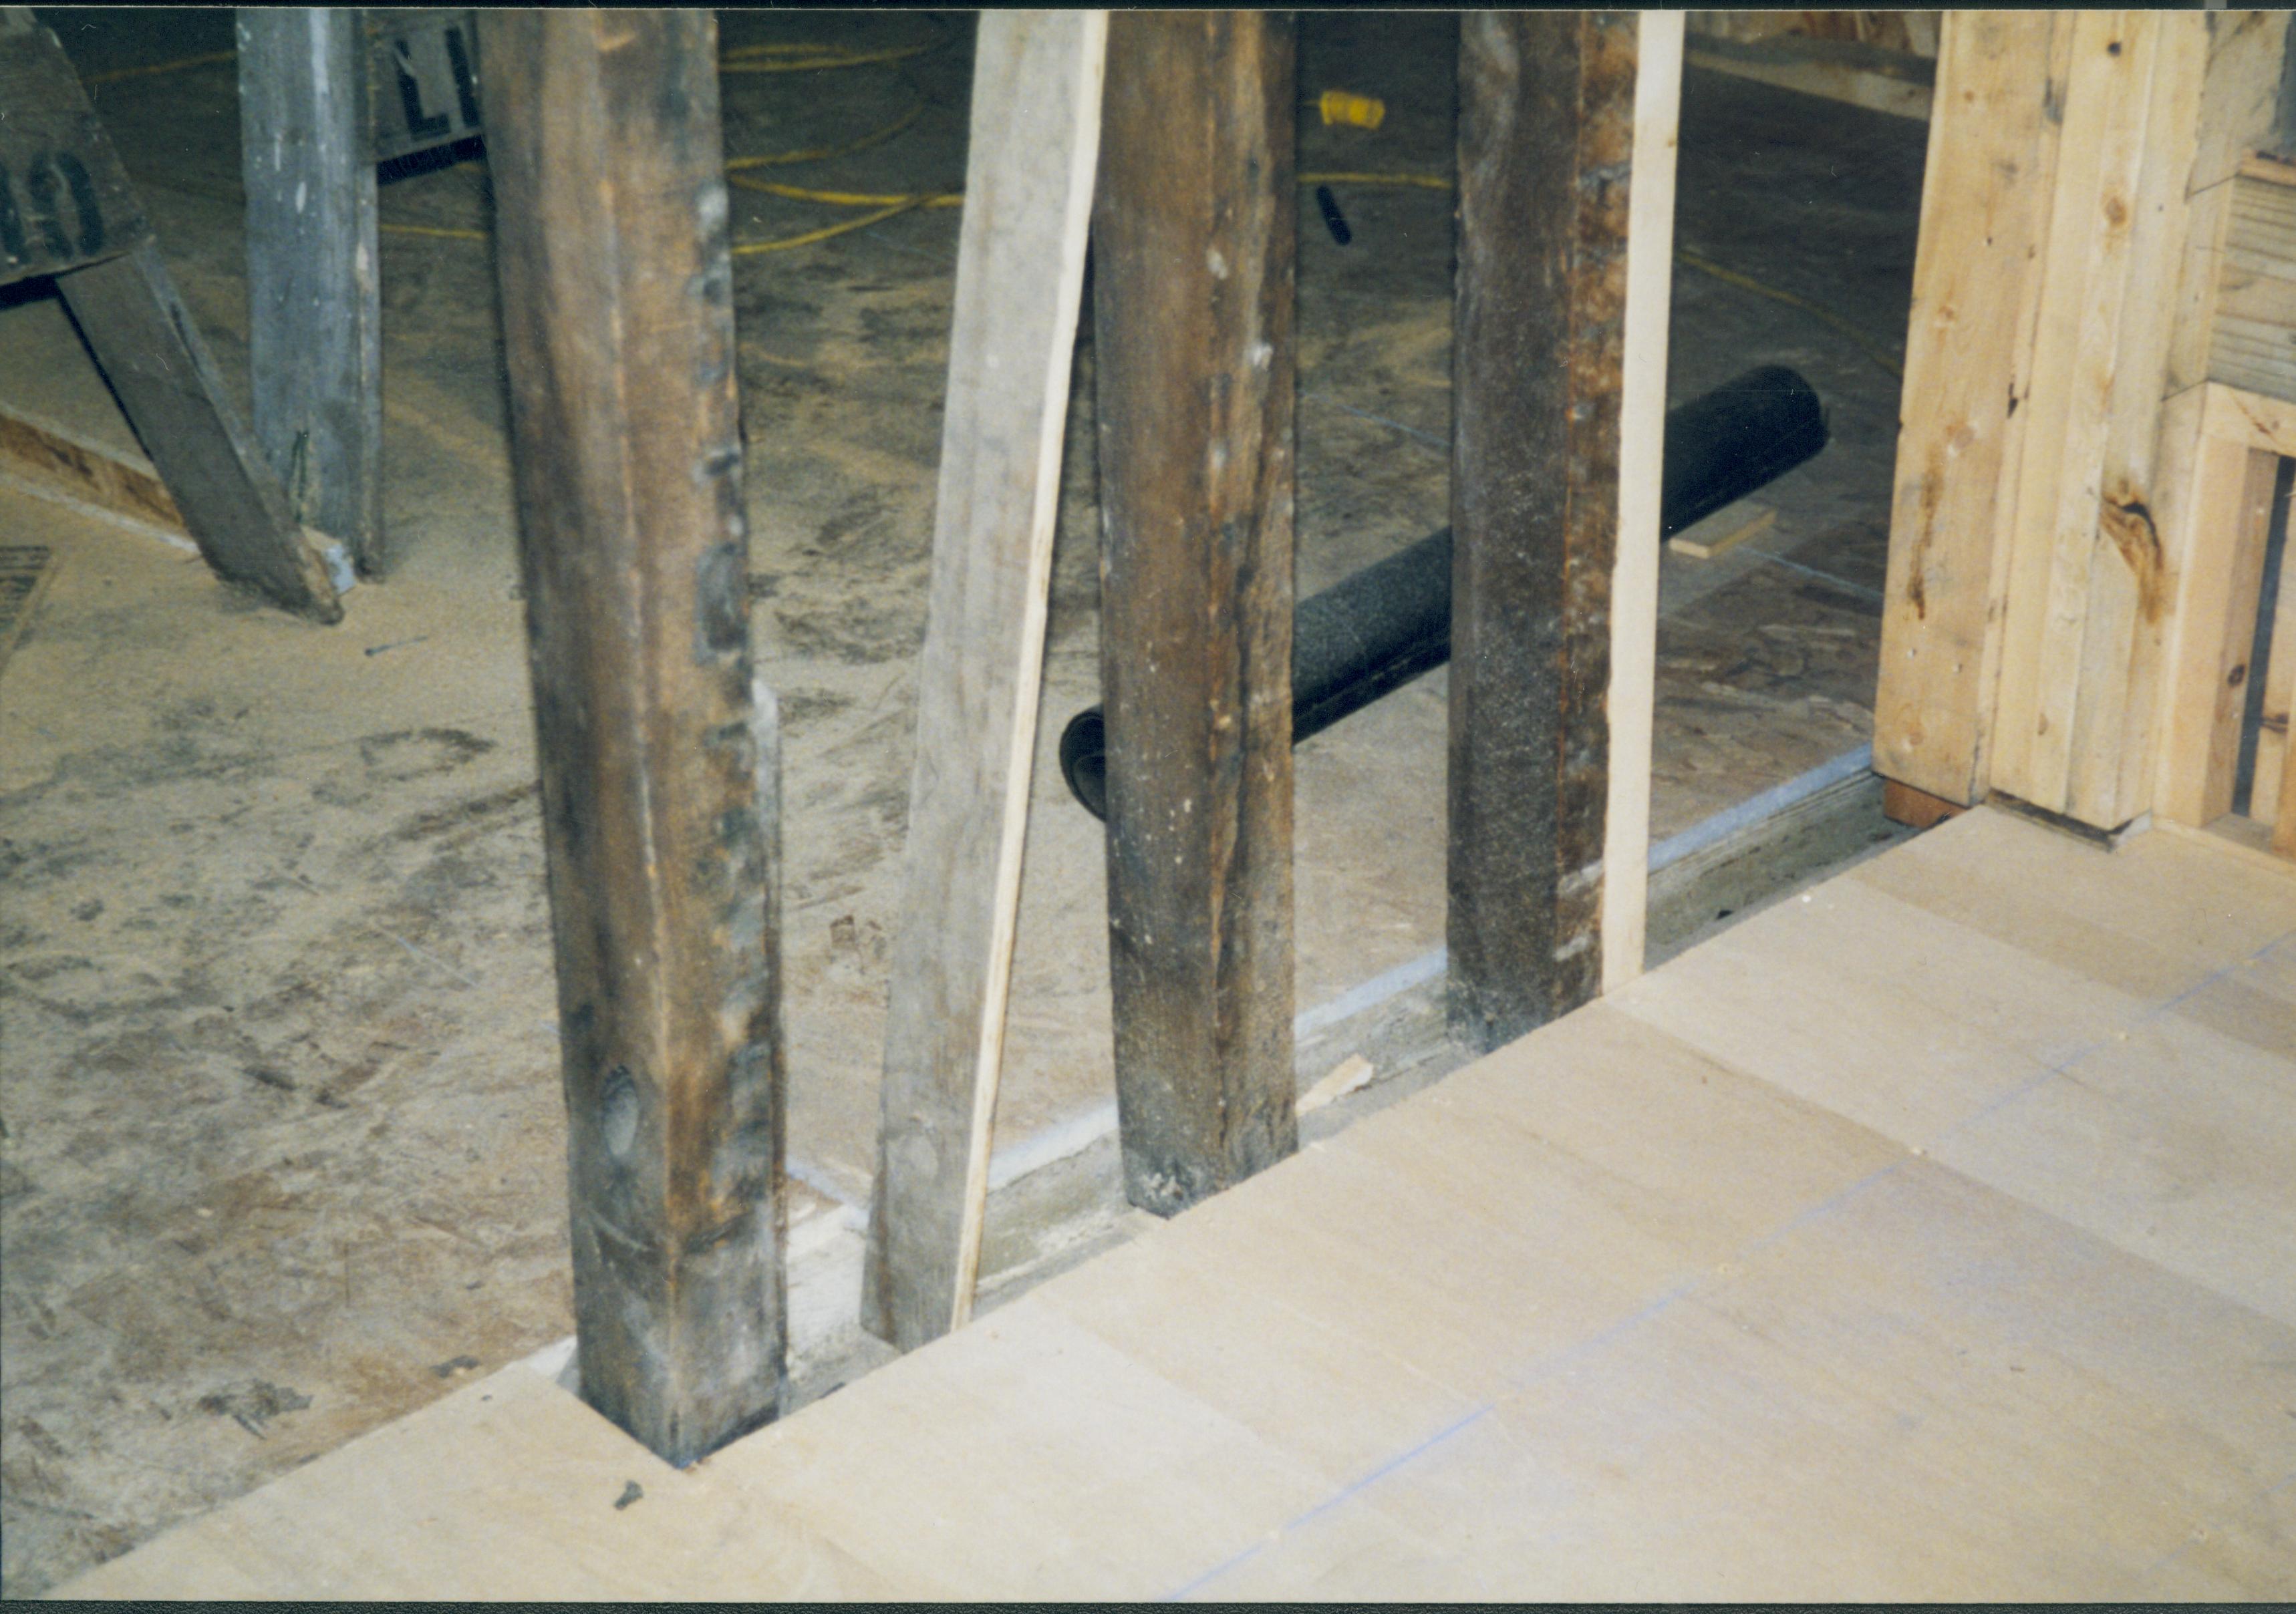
x,y
1376,631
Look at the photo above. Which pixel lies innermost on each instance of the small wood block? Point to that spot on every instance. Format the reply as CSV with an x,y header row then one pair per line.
x,y
1723,531
1903,804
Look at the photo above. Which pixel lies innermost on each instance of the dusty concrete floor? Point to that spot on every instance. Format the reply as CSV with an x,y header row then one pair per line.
x,y
283,1156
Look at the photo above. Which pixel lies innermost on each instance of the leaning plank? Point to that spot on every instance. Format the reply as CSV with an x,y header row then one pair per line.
x,y
315,309
1546,147
150,350
659,806
1020,277
1630,705
1193,238
1984,227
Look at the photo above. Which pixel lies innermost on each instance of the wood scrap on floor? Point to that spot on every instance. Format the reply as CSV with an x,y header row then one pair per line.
x,y
48,460
1724,530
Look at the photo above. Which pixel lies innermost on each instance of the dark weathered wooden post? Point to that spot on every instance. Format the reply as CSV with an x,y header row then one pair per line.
x,y
314,304
603,132
1192,231
1557,410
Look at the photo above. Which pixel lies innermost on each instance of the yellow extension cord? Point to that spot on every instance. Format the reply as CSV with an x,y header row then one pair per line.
x,y
801,57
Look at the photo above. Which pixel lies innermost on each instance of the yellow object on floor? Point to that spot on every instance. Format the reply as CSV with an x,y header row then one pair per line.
x,y
1359,111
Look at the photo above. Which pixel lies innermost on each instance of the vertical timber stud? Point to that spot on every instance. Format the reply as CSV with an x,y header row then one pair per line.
x,y
315,345
1631,704
657,793
1192,231
1020,278
1546,143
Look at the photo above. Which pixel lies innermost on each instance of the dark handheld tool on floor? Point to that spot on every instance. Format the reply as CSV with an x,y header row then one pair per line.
x,y
1374,633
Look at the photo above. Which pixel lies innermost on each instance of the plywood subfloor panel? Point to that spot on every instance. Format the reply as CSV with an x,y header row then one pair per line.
x,y
1926,1238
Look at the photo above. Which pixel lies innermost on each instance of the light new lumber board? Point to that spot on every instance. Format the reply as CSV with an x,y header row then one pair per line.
x,y
2247,57
2253,329
1612,1313
1976,292
2083,554
2202,1125
1631,700
2239,108
1723,531
2154,919
1029,186
2218,447
2109,745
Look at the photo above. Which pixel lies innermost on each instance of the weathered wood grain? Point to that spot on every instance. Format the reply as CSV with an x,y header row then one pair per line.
x,y
1547,105
422,79
65,200
1020,279
150,349
314,296
1193,243
659,807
